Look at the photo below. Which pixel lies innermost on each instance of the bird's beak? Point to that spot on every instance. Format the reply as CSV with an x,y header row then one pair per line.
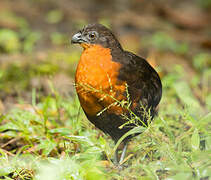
x,y
77,38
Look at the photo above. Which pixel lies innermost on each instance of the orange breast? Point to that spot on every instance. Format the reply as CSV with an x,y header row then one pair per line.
x,y
96,81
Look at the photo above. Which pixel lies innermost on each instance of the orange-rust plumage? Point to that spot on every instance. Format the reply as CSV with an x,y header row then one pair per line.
x,y
96,80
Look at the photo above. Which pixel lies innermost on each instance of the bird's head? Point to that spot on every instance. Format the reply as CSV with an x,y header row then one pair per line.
x,y
95,34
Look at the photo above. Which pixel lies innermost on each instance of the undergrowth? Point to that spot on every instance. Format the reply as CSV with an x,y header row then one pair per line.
x,y
52,139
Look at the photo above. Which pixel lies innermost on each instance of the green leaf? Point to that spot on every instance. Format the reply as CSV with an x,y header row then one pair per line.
x,y
47,146
185,94
81,139
62,131
54,16
135,130
9,41
30,41
195,140
181,175
94,173
6,170
8,126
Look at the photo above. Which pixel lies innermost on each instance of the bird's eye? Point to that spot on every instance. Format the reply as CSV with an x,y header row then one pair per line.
x,y
92,35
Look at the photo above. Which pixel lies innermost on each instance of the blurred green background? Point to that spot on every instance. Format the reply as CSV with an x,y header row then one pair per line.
x,y
41,120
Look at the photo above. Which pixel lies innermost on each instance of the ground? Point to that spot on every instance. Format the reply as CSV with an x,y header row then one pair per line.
x,y
43,131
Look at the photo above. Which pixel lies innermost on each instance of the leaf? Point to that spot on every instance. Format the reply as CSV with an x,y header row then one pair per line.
x,y
8,126
47,146
54,16
61,131
135,130
94,173
81,139
185,94
6,170
9,41
195,140
181,175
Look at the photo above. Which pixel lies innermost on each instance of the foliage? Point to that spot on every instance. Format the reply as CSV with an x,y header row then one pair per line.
x,y
55,138
165,42
9,41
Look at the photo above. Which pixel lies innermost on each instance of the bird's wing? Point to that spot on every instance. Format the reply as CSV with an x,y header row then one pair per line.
x,y
143,82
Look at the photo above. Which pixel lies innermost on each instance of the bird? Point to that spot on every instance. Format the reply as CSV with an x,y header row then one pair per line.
x,y
117,89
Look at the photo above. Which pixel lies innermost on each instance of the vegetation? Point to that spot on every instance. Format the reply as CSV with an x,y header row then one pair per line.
x,y
43,131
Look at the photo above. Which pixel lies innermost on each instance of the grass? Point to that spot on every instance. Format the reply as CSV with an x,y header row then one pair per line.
x,y
52,139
